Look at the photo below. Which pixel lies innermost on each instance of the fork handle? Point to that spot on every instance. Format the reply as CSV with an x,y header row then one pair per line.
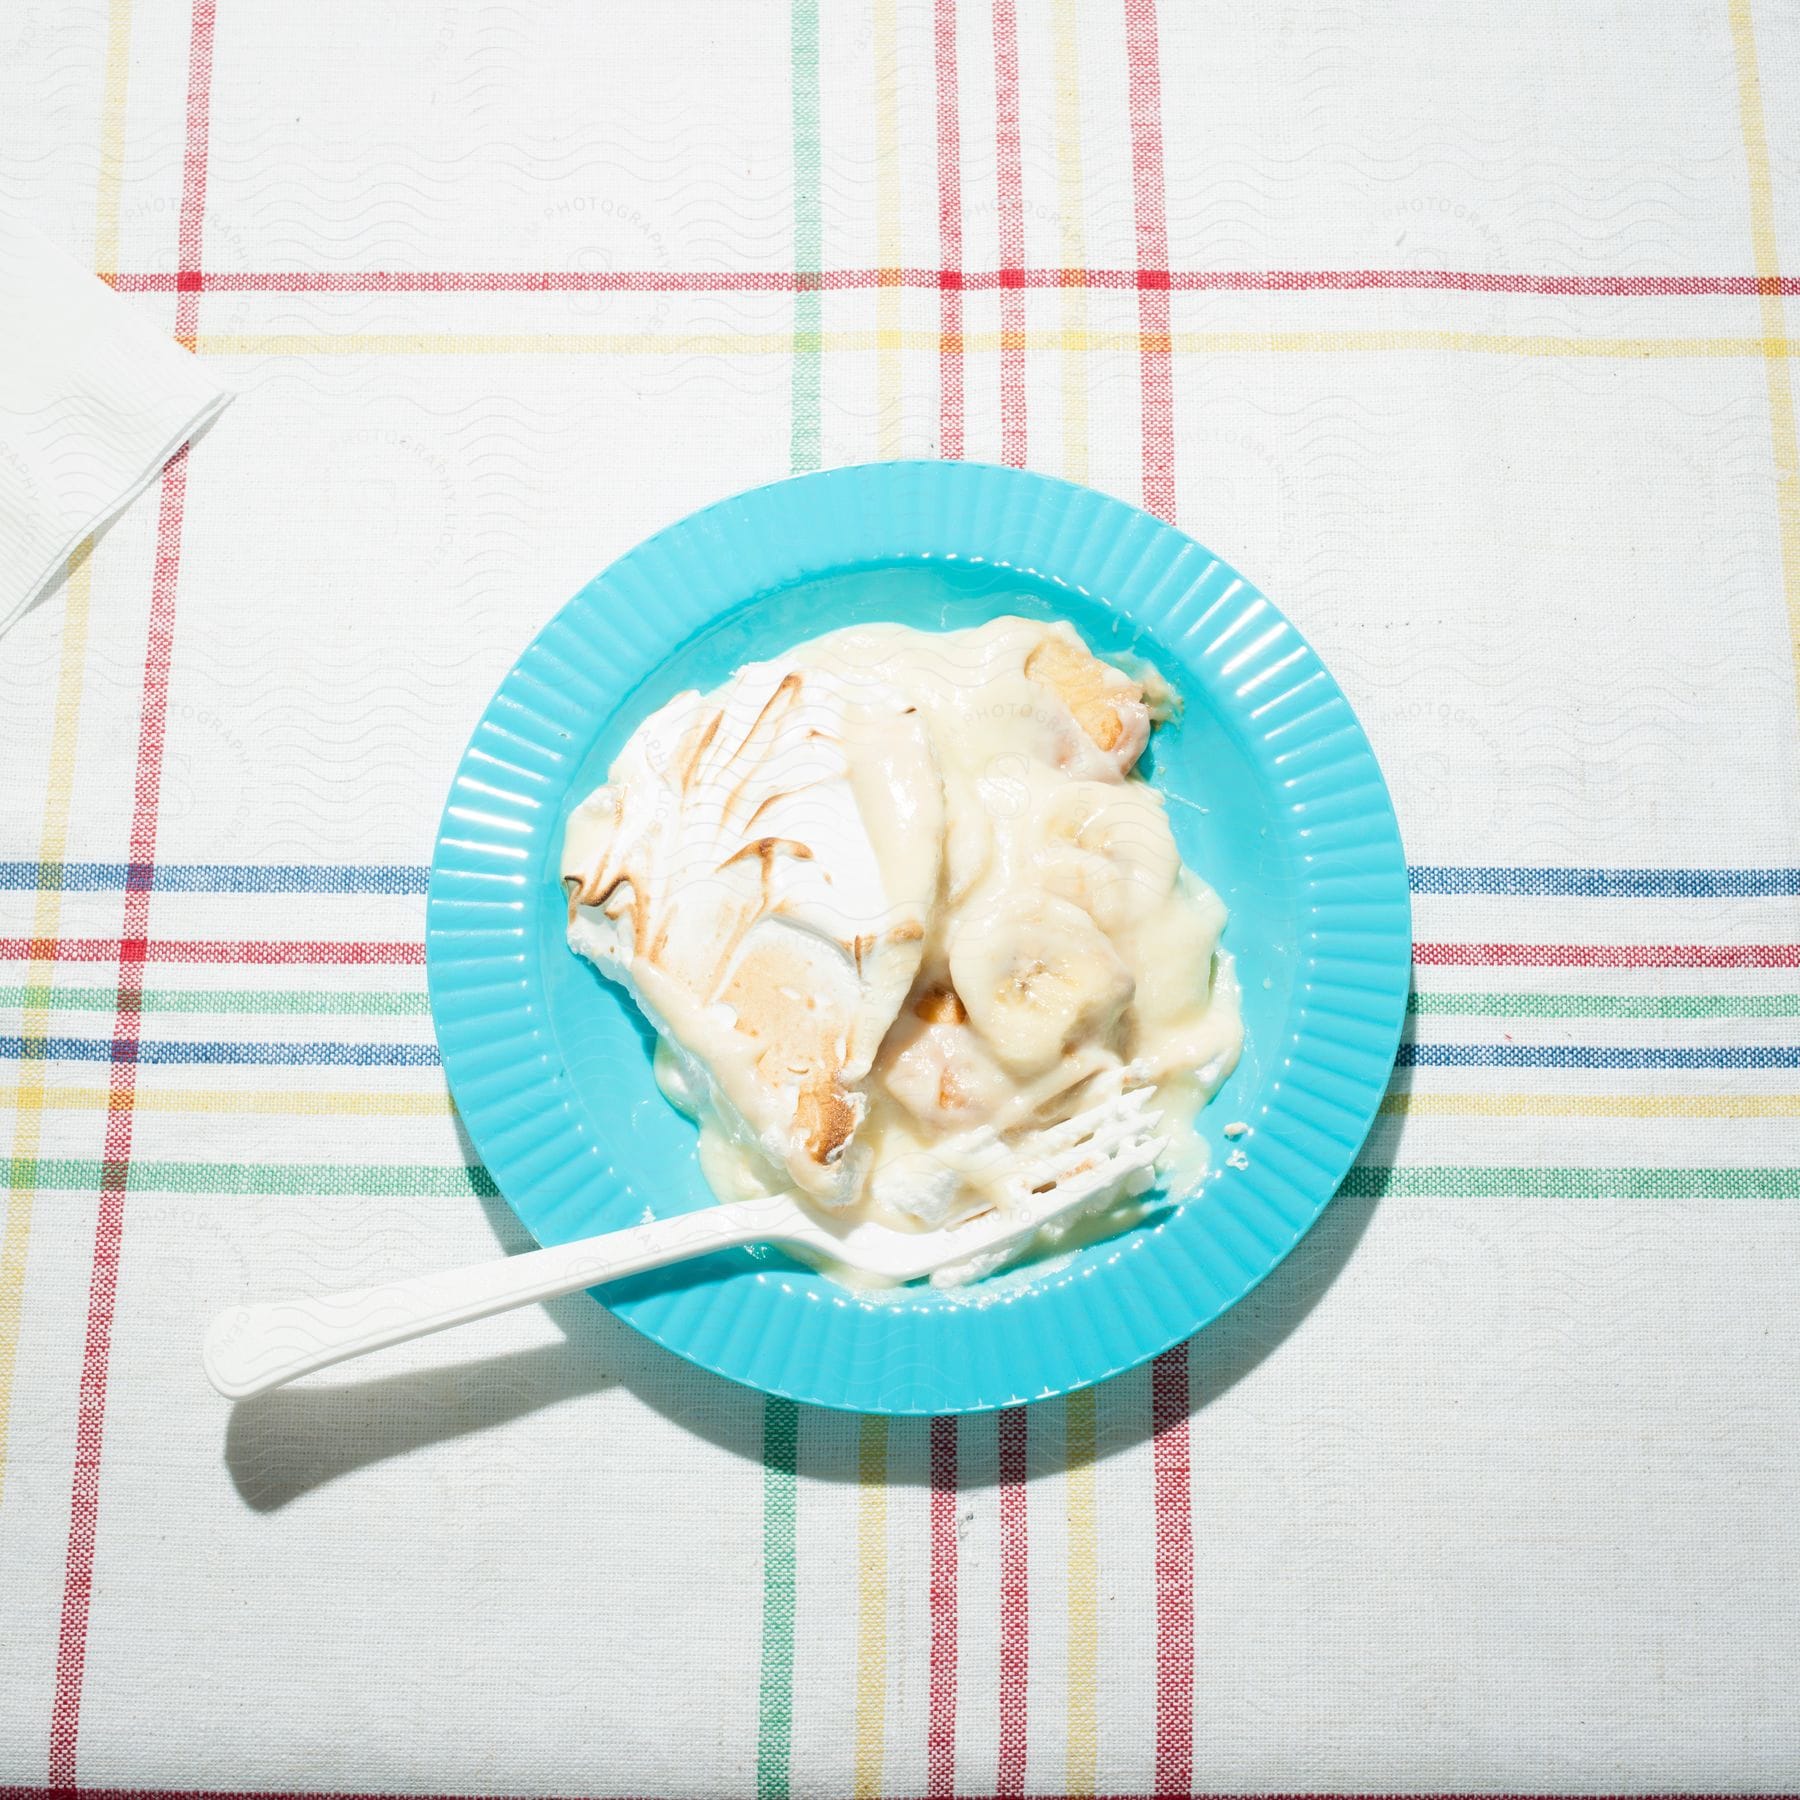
x,y
250,1349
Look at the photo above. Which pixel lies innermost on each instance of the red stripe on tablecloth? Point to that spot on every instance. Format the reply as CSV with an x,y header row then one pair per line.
x,y
1009,181
1169,1373
378,952
1015,1604
1174,1572
950,240
190,232
210,950
125,1793
1144,92
115,1161
940,1727
1607,956
1474,281
787,281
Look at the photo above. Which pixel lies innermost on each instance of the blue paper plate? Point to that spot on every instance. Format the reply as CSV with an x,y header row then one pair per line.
x,y
1276,800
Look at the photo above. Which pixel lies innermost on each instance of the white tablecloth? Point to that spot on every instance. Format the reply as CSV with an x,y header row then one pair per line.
x,y
1463,331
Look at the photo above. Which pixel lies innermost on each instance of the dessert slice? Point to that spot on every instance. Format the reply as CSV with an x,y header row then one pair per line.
x,y
758,873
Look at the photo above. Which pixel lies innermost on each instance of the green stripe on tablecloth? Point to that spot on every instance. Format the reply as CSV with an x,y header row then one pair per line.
x,y
434,1180
1608,1006
1423,1180
775,1710
222,1000
781,1418
1452,1182
808,236
377,1002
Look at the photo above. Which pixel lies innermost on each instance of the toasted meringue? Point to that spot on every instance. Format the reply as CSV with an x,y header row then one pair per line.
x,y
758,872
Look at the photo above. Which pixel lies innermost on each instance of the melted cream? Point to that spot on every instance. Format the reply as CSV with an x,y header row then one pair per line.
x,y
973,914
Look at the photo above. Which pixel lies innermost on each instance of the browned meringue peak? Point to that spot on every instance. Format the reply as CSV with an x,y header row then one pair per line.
x,y
758,871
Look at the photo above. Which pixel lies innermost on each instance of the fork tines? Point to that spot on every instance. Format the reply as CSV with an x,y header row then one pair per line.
x,y
1094,1148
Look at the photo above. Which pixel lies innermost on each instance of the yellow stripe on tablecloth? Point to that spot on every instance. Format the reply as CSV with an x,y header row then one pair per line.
x,y
1774,316
1596,1106
869,1751
888,421
363,1103
28,1097
1074,239
871,1608
1082,1725
783,343
1478,343
336,1103
1082,1573
112,137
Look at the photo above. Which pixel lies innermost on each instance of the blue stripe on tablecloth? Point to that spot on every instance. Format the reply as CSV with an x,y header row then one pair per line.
x,y
166,1050
407,878
1608,884
222,878
1599,1056
1412,1055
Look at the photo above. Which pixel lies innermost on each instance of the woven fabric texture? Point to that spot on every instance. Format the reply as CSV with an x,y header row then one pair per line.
x,y
1462,331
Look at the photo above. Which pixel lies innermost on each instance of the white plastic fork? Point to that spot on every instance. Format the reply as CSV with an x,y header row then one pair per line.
x,y
251,1349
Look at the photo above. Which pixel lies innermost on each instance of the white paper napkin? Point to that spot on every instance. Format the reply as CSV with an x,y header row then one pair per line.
x,y
93,401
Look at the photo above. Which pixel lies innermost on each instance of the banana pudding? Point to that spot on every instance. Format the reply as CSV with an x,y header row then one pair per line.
x,y
900,894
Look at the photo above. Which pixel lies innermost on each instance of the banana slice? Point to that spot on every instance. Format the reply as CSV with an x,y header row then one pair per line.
x,y
1037,975
1106,846
941,1072
1179,942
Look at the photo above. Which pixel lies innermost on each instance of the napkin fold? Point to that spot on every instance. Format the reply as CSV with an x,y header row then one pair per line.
x,y
93,401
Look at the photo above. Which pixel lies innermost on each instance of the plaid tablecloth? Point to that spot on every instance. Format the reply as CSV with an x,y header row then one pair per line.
x,y
1463,330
